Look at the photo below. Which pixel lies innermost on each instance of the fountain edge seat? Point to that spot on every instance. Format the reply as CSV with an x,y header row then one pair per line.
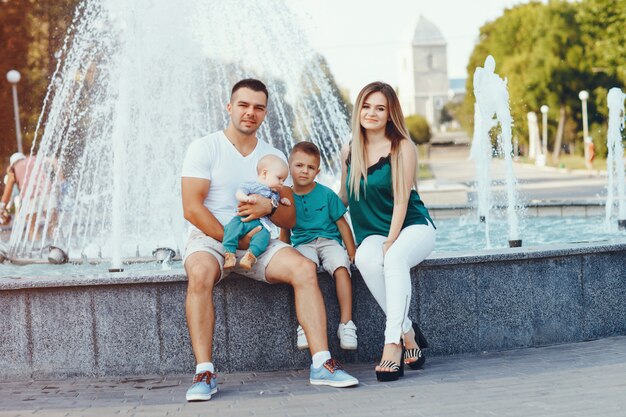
x,y
435,259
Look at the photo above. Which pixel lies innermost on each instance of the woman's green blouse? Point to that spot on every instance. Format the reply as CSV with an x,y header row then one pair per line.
x,y
371,214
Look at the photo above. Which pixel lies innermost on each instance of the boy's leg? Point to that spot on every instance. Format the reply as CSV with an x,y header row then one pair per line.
x,y
336,262
343,286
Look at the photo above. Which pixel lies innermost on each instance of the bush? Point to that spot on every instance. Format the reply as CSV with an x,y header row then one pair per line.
x,y
418,129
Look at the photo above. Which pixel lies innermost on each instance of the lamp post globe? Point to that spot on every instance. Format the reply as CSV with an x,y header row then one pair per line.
x,y
14,76
544,109
583,95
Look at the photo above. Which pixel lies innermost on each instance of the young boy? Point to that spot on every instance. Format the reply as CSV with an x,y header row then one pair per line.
x,y
271,172
318,233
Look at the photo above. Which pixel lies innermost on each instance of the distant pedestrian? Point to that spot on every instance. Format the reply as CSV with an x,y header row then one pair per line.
x,y
43,198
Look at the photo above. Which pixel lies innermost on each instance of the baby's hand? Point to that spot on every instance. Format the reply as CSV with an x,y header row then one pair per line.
x,y
285,201
251,199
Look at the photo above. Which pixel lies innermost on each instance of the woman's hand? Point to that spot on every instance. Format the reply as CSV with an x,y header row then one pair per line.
x,y
386,245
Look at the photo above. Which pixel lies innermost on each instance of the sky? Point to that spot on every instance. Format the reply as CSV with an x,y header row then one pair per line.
x,y
361,39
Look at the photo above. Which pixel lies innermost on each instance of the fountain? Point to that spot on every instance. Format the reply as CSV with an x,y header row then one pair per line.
x,y
492,99
615,158
131,90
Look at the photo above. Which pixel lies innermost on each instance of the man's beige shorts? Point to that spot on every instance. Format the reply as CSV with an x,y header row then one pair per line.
x,y
331,254
199,242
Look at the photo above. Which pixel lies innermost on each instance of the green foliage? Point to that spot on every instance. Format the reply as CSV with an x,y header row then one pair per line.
x,y
418,129
550,52
31,31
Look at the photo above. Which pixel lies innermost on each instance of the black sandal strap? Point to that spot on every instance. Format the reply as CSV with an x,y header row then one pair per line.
x,y
413,353
391,365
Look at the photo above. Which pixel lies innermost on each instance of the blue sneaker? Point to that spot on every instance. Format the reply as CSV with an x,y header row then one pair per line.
x,y
204,385
332,374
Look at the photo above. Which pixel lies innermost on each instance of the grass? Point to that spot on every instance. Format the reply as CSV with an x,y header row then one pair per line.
x,y
569,162
424,171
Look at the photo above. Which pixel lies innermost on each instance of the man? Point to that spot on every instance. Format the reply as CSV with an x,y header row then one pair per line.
x,y
213,169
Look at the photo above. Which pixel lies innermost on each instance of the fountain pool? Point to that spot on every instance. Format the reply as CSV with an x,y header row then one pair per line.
x,y
455,236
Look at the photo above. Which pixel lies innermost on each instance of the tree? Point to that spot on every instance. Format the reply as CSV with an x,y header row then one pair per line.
x,y
549,52
30,34
418,129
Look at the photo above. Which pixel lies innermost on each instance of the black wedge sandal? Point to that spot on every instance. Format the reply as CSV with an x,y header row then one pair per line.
x,y
416,353
393,375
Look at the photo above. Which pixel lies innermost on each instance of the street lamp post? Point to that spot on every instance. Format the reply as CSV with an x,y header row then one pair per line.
x,y
584,96
14,77
544,122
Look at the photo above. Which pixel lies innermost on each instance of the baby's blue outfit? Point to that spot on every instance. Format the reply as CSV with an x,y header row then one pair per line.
x,y
236,229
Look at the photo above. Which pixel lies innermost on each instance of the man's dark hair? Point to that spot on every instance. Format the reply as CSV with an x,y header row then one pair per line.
x,y
252,84
308,148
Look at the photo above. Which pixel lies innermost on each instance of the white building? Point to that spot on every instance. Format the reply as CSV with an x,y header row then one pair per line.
x,y
424,86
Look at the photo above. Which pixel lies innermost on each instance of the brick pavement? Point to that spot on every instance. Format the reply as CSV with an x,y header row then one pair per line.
x,y
581,379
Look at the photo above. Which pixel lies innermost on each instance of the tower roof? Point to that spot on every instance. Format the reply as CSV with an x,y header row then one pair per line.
x,y
426,33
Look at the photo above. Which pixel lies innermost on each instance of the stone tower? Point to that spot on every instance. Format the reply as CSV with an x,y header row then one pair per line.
x,y
424,80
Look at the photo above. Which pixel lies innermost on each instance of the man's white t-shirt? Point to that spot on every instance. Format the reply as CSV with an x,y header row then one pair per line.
x,y
216,159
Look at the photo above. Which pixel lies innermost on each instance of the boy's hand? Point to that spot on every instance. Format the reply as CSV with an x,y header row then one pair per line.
x,y
285,201
251,199
351,255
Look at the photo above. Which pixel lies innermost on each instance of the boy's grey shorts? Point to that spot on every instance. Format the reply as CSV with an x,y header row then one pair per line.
x,y
331,254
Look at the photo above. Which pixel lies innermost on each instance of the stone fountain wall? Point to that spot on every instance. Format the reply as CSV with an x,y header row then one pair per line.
x,y
474,302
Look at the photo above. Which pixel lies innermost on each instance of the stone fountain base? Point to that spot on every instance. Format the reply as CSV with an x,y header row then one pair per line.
x,y
127,324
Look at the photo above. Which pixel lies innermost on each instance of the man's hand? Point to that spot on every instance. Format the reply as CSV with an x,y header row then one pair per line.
x,y
251,211
244,242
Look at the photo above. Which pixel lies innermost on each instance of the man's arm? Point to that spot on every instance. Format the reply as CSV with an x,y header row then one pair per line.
x,y
194,191
284,216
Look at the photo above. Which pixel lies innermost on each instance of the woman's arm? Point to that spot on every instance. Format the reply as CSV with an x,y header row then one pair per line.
x,y
343,193
409,162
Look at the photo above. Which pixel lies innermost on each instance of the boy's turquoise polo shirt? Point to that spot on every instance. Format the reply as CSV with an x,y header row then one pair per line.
x,y
316,215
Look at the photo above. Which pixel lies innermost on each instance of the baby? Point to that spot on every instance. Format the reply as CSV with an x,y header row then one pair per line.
x,y
271,172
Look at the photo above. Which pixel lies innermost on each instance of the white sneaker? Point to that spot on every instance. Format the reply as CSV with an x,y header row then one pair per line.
x,y
302,343
347,336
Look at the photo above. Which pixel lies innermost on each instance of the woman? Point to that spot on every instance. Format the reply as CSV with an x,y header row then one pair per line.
x,y
392,227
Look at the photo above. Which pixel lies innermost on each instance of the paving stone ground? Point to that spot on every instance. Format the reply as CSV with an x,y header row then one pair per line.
x,y
580,379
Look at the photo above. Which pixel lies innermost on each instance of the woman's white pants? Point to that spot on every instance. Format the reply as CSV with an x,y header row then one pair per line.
x,y
389,278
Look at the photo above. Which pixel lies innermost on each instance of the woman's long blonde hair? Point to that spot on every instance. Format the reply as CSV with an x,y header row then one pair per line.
x,y
395,131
